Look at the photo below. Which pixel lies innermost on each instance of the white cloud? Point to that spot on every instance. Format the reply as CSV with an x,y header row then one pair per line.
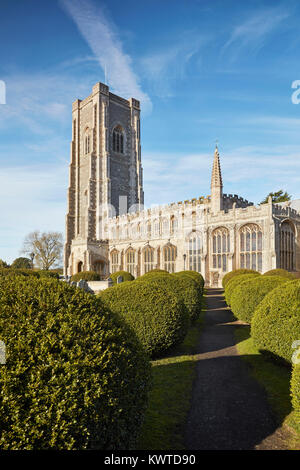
x,y
100,34
252,33
167,65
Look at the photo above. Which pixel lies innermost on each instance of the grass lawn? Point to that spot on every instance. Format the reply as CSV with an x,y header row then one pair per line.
x,y
275,378
169,399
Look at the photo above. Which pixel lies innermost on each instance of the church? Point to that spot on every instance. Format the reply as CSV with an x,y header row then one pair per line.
x,y
108,229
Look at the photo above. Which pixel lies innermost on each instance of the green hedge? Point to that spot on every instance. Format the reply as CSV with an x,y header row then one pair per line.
x,y
154,275
126,276
247,295
75,375
232,284
155,313
195,275
48,274
276,321
280,272
295,390
87,276
4,272
236,272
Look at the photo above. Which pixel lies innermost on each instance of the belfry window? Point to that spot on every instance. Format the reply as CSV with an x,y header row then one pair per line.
x,y
287,247
251,247
118,139
194,252
87,143
220,248
169,258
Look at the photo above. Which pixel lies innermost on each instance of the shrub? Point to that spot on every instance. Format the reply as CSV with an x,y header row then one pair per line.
x,y
75,376
280,272
185,287
236,272
196,276
276,321
49,274
125,275
155,313
18,272
87,276
295,390
248,294
154,275
234,282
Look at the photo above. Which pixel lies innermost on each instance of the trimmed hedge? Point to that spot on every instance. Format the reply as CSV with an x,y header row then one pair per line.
x,y
75,376
48,274
184,286
236,272
295,390
280,272
194,275
87,276
4,272
276,321
234,282
154,275
247,295
126,276
155,313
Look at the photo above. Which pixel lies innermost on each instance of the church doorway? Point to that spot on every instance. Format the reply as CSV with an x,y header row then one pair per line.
x,y
79,267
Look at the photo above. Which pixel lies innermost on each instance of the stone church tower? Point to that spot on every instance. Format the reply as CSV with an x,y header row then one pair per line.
x,y
105,170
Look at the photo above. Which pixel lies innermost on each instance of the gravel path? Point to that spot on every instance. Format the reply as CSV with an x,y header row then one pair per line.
x,y
229,409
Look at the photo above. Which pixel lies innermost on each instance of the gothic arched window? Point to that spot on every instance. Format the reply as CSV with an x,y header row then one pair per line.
x,y
194,252
130,261
118,139
169,253
114,261
287,246
148,259
220,248
251,247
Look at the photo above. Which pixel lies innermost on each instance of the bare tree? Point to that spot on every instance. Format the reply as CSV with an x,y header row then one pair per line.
x,y
45,248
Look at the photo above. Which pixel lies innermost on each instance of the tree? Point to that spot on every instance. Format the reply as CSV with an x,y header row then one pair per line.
x,y
46,248
278,196
3,264
22,263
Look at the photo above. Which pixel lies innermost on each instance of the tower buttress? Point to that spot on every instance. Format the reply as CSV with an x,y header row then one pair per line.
x,y
216,184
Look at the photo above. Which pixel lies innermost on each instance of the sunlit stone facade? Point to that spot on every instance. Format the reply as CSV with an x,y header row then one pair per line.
x,y
108,229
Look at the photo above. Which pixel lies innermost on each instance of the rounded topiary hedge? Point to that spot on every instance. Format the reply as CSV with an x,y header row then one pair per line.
x,y
279,272
248,295
87,276
155,313
125,275
295,390
194,275
234,282
236,272
154,275
75,375
276,321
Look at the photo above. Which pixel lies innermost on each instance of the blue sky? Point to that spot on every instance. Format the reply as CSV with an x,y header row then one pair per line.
x,y
203,70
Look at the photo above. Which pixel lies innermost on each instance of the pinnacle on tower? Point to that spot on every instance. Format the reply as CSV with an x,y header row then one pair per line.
x,y
216,177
